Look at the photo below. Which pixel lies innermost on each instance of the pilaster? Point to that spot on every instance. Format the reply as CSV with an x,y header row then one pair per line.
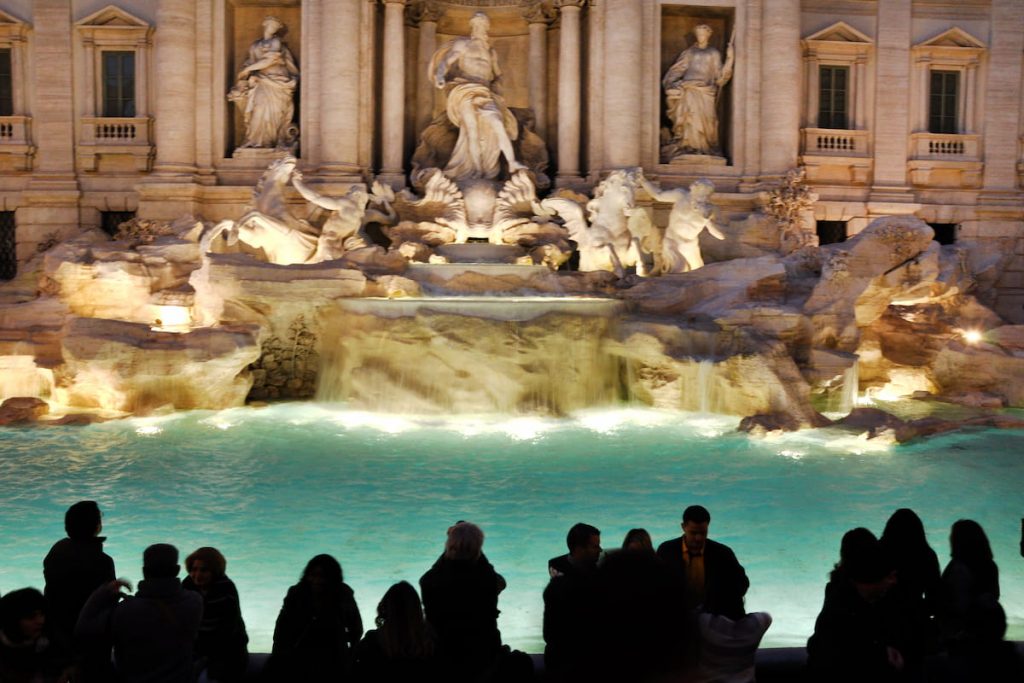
x,y
538,18
393,94
340,88
892,105
781,77
569,80
623,90
175,67
1002,99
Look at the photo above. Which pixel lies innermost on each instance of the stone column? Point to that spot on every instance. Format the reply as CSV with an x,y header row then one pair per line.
x,y
623,87
1003,99
430,12
538,18
892,106
340,87
49,203
393,94
813,78
970,104
569,119
780,83
175,66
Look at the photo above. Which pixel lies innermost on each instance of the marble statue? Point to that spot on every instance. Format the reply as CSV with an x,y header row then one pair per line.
x,y
611,244
467,70
265,91
692,213
692,88
343,229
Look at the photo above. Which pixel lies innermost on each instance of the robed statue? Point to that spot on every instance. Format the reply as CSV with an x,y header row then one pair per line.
x,y
265,91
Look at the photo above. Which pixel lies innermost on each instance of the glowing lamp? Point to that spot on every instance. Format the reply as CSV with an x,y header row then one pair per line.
x,y
972,336
172,318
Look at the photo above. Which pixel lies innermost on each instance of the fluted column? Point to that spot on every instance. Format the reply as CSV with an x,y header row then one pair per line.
x,y
569,119
429,12
538,18
892,114
175,67
340,86
780,81
52,114
623,87
1002,99
393,95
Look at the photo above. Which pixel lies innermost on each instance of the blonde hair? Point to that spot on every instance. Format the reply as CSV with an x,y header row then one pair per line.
x,y
465,542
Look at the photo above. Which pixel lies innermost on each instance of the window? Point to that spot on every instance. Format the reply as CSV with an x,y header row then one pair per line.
x,y
831,232
833,87
8,246
945,233
6,84
119,84
943,104
110,221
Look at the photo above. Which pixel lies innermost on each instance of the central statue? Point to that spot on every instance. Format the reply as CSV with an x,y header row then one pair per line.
x,y
466,68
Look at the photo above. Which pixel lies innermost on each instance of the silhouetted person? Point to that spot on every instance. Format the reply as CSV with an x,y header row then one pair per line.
x,y
981,655
460,600
714,579
970,574
153,633
221,646
318,626
75,567
918,590
638,540
28,652
401,648
857,633
584,543
572,608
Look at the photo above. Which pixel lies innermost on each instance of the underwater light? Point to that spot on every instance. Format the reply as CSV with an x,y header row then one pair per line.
x,y
971,336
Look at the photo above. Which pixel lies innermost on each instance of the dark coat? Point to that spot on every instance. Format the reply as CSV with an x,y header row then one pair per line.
x,y
374,666
153,632
73,569
725,582
314,640
222,638
460,602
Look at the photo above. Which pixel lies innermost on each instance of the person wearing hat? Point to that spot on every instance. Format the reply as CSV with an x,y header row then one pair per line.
x,y
153,632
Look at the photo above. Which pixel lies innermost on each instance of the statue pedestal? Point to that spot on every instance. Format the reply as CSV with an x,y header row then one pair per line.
x,y
481,252
697,160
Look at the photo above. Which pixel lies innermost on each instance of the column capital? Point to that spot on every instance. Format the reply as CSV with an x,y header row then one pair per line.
x,y
393,2
563,4
422,11
537,12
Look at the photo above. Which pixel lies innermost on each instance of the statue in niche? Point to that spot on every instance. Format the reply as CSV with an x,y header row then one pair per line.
x,y
693,85
468,140
467,70
265,91
692,213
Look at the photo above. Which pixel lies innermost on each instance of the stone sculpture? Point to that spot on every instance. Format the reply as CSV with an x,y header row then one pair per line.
x,y
692,213
693,85
611,245
467,70
265,91
791,204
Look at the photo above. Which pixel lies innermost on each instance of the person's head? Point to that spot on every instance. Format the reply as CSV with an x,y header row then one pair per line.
x,y
638,541
701,190
160,561
703,33
968,543
479,24
23,615
904,530
584,542
864,562
205,565
465,542
696,519
83,520
323,573
400,623
271,25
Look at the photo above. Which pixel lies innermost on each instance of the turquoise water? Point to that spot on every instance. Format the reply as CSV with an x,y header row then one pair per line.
x,y
272,487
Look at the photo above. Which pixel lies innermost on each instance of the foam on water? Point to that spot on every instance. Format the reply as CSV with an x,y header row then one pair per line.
x,y
271,487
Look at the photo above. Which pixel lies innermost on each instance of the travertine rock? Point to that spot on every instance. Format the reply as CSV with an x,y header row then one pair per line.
x,y
22,409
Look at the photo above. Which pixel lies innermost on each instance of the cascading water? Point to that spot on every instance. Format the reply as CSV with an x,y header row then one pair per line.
x,y
704,372
851,385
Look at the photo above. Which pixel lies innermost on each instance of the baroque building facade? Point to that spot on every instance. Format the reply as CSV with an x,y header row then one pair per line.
x,y
894,107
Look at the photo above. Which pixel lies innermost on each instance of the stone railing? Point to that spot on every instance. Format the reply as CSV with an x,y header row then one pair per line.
x,y
831,142
16,141
945,146
122,143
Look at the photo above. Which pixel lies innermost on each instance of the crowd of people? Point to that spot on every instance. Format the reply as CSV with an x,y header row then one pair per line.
x,y
674,613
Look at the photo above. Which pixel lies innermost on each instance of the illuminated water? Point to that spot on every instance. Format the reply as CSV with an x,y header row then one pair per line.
x,y
272,487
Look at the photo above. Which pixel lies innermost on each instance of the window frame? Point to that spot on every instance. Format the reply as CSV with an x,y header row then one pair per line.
x,y
833,70
839,44
952,50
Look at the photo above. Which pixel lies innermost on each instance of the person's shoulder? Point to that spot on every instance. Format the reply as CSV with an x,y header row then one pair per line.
x,y
670,544
716,547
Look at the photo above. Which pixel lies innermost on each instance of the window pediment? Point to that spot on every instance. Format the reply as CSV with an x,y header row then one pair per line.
x,y
840,41
954,41
112,16
12,28
839,32
112,25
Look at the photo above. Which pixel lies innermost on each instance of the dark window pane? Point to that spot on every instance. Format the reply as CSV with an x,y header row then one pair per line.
x,y
943,102
119,84
8,255
110,221
832,95
830,232
6,84
945,233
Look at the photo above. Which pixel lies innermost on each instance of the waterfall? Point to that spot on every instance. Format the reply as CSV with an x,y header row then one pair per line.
x,y
851,384
704,373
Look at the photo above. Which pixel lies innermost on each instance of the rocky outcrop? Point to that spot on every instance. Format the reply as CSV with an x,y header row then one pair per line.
x,y
20,409
994,366
128,367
